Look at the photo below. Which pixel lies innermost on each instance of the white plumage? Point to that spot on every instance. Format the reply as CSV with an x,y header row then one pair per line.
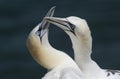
x,y
59,64
79,33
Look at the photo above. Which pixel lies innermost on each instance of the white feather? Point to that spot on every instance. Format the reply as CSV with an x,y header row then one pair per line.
x,y
80,35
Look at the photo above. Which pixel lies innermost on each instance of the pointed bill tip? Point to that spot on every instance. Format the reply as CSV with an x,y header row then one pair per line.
x,y
53,7
44,25
51,12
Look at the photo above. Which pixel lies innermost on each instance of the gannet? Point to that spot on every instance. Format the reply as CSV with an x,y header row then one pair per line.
x,y
80,35
59,64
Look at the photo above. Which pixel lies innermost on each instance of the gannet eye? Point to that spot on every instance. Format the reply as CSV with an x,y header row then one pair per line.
x,y
71,27
38,32
42,31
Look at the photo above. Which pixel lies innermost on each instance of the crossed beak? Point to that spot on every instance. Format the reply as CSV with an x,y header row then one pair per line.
x,y
44,25
62,23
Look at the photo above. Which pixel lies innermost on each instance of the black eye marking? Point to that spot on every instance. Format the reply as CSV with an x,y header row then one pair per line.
x,y
39,29
42,27
38,33
72,27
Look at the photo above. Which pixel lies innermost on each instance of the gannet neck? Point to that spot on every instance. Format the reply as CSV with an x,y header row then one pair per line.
x,y
81,43
48,57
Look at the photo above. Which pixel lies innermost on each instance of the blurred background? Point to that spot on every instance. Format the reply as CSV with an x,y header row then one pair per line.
x,y
19,17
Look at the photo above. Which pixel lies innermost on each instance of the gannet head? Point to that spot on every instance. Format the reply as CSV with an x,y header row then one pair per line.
x,y
40,31
71,25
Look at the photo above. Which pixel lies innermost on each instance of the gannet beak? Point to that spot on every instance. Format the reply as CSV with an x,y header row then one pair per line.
x,y
62,23
44,25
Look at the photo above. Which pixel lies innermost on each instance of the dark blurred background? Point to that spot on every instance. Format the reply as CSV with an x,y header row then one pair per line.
x,y
19,17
